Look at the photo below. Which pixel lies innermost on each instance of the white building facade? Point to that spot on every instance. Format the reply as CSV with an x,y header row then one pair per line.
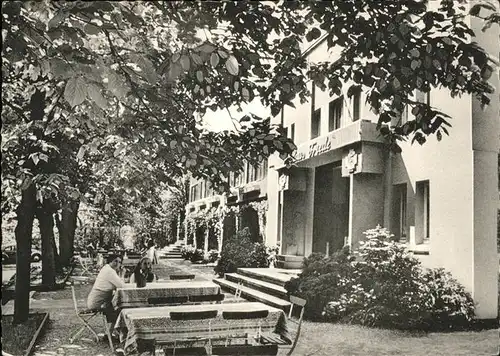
x,y
441,198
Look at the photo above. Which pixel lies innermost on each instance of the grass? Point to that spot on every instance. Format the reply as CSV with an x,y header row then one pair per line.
x,y
324,339
17,338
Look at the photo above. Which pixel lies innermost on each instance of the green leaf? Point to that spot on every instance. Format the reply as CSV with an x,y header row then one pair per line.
x,y
236,85
117,85
313,34
199,76
196,58
174,71
207,47
415,52
232,65
447,41
246,94
60,69
382,84
222,54
148,69
436,64
185,62
75,91
81,153
175,57
58,19
91,29
396,84
95,95
415,64
214,59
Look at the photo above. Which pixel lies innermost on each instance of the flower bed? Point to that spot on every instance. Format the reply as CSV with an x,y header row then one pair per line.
x,y
19,339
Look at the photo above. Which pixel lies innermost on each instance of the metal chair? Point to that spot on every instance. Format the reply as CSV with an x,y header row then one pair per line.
x,y
273,338
246,321
85,315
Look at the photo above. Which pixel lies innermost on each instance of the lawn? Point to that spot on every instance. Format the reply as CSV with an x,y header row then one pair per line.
x,y
17,338
324,339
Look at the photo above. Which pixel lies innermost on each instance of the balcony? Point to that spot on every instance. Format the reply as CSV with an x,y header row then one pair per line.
x,y
358,131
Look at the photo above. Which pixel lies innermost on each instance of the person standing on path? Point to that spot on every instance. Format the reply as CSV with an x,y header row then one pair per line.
x,y
151,252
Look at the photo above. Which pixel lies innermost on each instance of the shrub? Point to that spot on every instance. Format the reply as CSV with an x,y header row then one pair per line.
x,y
239,251
187,251
212,256
196,255
451,306
321,281
381,284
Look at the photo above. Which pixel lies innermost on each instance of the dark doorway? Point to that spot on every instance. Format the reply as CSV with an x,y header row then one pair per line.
x,y
331,208
250,219
229,227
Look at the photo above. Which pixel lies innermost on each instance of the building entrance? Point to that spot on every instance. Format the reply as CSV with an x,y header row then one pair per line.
x,y
331,209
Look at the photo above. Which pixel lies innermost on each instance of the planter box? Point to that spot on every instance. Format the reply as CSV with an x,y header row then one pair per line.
x,y
22,338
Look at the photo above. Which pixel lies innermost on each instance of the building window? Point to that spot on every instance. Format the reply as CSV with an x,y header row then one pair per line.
x,y
262,170
401,211
251,173
191,194
423,97
292,132
422,212
236,179
315,124
335,113
356,105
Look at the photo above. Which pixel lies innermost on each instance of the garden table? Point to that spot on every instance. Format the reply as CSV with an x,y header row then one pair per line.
x,y
132,297
154,323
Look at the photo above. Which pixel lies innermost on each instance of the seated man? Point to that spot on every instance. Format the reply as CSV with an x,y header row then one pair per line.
x,y
106,283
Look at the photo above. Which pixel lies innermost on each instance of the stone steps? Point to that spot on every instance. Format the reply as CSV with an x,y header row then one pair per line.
x,y
271,275
289,261
253,294
263,286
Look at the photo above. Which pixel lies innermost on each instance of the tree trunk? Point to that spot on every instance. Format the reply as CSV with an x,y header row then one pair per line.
x,y
67,231
23,232
56,253
57,259
46,221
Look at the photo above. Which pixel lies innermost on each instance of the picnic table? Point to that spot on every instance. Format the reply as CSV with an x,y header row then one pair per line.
x,y
132,297
154,324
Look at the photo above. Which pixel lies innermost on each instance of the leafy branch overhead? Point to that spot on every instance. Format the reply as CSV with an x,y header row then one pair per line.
x,y
123,82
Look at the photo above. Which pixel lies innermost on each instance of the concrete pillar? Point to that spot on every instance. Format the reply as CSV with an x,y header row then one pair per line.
x,y
205,243
388,190
178,228
366,202
485,146
309,212
485,255
221,234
